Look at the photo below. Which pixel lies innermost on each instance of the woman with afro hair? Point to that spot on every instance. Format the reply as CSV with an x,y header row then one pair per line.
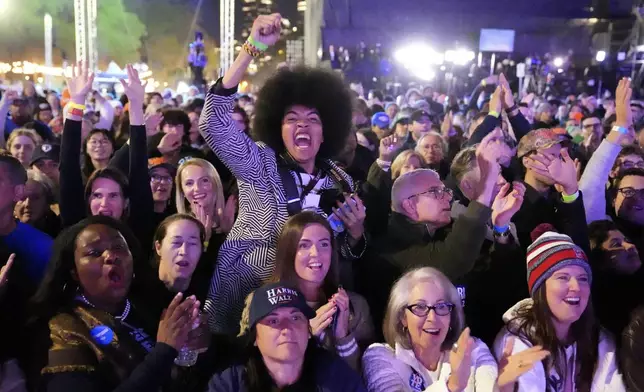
x,y
302,120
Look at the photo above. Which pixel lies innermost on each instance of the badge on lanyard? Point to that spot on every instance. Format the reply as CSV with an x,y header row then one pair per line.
x,y
102,335
416,382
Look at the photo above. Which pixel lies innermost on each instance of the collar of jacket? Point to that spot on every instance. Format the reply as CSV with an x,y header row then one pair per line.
x,y
533,196
407,232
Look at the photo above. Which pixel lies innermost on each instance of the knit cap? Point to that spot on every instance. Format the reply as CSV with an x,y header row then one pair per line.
x,y
550,252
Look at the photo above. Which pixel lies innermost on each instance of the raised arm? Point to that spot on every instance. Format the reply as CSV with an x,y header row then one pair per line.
x,y
141,201
236,149
593,182
72,201
5,105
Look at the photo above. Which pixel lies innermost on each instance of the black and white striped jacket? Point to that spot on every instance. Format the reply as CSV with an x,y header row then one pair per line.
x,y
247,257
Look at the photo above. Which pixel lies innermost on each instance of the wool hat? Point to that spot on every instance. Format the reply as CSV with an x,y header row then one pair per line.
x,y
550,252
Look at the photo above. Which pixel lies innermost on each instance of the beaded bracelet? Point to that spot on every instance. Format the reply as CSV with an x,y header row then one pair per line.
x,y
252,49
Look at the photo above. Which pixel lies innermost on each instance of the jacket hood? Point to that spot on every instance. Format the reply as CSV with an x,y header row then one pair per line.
x,y
513,312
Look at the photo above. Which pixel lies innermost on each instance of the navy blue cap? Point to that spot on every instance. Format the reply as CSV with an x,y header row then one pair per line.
x,y
273,296
380,119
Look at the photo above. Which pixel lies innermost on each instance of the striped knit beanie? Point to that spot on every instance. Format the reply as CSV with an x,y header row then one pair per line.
x,y
550,252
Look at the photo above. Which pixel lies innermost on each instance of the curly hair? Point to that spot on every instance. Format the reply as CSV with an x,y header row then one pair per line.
x,y
312,88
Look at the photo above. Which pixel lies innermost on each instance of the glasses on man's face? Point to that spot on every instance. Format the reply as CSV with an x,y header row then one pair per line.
x,y
422,309
629,192
631,164
437,193
161,179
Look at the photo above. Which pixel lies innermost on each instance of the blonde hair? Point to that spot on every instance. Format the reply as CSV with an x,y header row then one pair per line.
x,y
393,328
30,133
244,323
402,159
218,188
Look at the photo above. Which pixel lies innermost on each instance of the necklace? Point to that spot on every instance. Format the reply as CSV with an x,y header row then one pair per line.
x,y
121,317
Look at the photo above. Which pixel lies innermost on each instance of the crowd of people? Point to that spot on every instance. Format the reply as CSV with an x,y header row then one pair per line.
x,y
310,238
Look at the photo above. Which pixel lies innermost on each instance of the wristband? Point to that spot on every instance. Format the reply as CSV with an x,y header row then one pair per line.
x,y
483,83
501,229
622,130
493,113
262,47
513,108
205,245
76,109
252,50
569,198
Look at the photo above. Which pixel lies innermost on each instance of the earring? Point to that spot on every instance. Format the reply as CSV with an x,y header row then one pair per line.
x,y
405,329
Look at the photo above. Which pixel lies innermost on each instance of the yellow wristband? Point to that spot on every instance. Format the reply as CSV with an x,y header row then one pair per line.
x,y
205,244
569,198
73,105
493,114
483,83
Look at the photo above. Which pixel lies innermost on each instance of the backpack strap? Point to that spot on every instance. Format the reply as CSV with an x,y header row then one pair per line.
x,y
293,201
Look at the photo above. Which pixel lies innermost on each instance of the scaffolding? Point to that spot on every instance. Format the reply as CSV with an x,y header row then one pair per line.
x,y
85,21
226,34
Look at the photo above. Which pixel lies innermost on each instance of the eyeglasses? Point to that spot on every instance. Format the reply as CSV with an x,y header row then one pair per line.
x,y
631,164
629,192
161,179
437,193
422,309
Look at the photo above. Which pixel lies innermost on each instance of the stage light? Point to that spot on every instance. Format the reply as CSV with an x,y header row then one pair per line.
x,y
418,53
601,56
558,62
459,56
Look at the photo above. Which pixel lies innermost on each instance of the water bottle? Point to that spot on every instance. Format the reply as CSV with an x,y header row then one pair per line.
x,y
188,357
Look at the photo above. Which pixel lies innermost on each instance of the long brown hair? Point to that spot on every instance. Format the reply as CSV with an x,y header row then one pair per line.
x,y
534,321
287,246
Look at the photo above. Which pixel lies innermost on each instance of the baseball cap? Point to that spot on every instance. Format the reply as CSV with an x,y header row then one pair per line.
x,y
542,138
418,114
46,151
400,117
273,296
380,119
42,106
155,162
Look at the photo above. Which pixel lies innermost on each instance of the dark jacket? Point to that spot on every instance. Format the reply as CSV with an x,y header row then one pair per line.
x,y
126,358
631,359
495,284
332,374
567,218
520,126
453,250
376,195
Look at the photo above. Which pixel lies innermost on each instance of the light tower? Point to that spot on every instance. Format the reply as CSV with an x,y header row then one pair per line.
x,y
313,17
85,18
226,34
